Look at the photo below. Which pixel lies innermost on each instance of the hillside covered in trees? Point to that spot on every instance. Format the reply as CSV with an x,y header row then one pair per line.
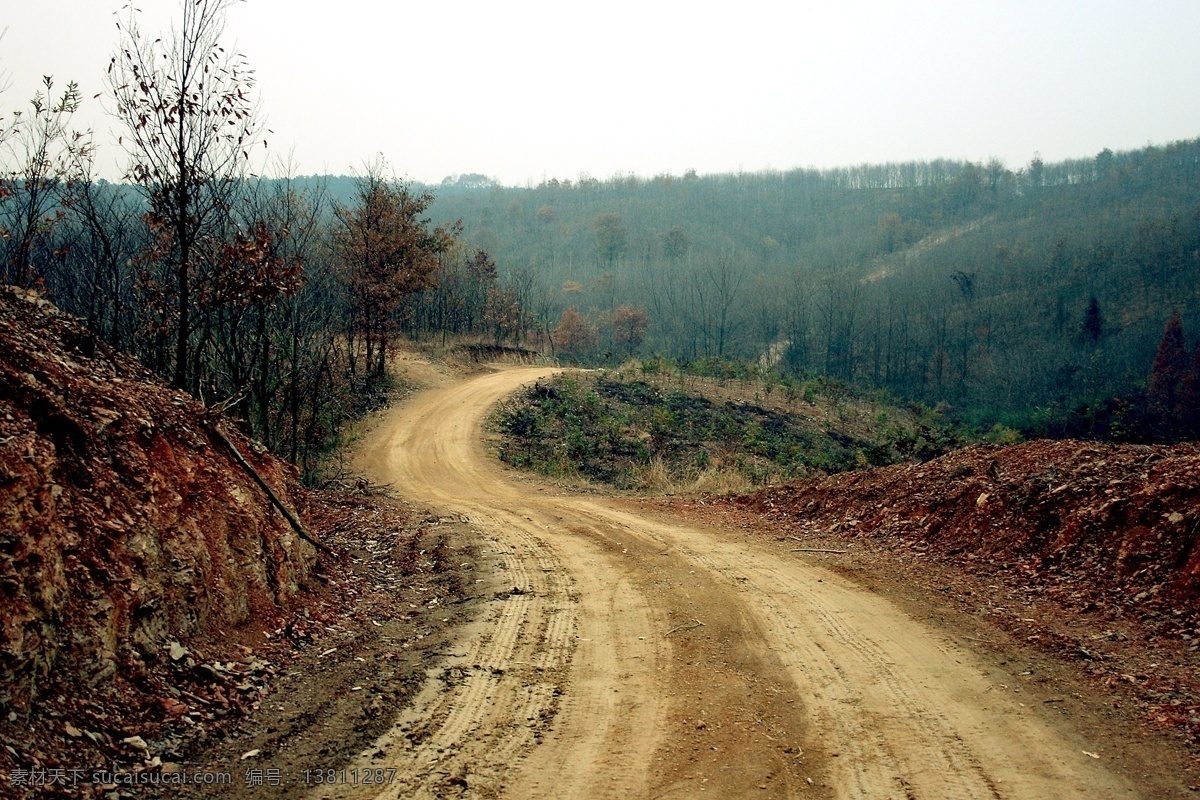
x,y
1035,296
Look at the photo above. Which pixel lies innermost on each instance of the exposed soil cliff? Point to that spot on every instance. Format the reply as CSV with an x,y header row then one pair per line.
x,y
129,535
1088,552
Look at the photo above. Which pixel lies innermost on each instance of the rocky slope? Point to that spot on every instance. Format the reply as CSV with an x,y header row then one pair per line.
x,y
1096,526
129,537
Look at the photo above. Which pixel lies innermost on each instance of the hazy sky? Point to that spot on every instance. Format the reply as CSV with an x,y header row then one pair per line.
x,y
524,90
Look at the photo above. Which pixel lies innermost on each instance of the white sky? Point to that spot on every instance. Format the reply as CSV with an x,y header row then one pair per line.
x,y
523,90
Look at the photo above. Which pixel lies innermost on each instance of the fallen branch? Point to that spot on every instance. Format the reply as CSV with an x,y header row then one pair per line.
x,y
816,550
688,627
230,402
292,519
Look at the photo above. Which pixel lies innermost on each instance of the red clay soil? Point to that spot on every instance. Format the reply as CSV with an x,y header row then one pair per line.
x,y
1098,526
148,589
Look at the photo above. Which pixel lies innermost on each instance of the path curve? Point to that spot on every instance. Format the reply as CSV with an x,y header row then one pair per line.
x,y
629,656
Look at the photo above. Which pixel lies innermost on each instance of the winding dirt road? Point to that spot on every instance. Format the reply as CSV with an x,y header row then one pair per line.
x,y
634,657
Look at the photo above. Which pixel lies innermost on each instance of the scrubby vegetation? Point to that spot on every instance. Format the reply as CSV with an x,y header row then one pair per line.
x,y
655,427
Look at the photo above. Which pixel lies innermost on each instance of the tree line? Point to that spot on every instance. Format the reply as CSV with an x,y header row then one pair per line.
x,y
1031,296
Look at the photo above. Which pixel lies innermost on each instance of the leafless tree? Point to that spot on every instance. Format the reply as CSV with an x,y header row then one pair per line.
x,y
190,122
42,157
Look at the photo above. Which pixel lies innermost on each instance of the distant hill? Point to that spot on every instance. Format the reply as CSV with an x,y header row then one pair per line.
x,y
943,281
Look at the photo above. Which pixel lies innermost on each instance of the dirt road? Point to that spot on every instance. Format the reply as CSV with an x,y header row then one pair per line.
x,y
634,657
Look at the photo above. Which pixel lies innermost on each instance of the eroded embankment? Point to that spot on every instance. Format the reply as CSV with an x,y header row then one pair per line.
x,y
1082,552
129,533
1095,525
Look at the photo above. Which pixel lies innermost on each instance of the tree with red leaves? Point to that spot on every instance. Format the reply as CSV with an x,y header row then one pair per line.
x,y
575,335
1165,388
629,326
1189,400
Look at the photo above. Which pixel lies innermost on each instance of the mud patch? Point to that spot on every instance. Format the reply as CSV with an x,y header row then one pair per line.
x,y
361,654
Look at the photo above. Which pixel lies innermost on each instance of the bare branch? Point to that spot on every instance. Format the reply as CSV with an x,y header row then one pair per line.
x,y
190,121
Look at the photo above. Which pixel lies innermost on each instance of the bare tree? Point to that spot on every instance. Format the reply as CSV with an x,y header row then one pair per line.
x,y
714,302
99,280
190,123
45,157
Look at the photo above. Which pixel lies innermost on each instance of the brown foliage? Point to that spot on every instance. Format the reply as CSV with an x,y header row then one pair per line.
x,y
1170,365
248,269
629,327
575,334
1166,389
387,251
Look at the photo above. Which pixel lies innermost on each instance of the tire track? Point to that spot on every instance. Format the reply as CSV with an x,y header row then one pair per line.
x,y
539,676
903,710
478,712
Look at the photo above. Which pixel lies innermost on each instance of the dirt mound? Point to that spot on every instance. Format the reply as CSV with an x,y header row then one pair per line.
x,y
1095,526
129,537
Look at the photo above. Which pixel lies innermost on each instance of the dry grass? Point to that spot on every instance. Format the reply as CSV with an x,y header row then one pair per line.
x,y
715,480
855,415
656,478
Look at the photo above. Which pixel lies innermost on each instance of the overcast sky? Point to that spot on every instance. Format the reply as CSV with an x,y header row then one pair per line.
x,y
524,90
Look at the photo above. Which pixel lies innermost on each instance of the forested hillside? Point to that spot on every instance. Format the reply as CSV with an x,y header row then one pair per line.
x,y
1021,294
